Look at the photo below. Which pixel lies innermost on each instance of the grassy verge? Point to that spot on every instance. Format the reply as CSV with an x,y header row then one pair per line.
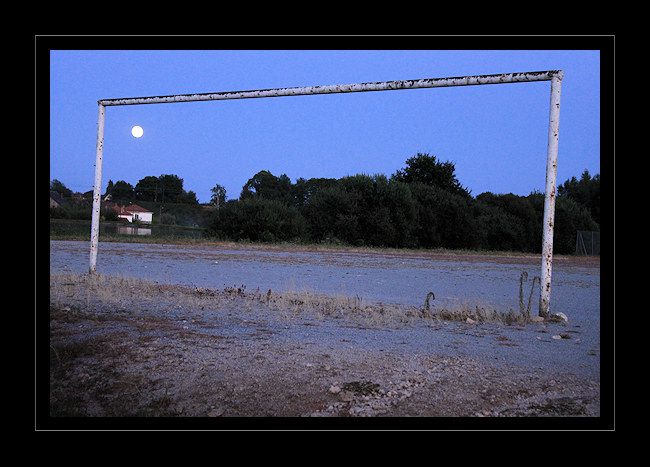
x,y
171,240
122,293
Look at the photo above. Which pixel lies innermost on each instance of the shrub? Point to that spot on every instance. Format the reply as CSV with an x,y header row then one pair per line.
x,y
257,219
444,219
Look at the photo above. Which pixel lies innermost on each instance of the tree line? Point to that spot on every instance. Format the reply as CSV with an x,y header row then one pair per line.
x,y
422,205
166,188
164,195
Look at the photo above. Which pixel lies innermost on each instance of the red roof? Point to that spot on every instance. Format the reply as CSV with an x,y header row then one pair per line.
x,y
133,208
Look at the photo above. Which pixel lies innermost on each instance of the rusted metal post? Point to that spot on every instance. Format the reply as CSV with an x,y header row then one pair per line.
x,y
555,76
97,191
549,199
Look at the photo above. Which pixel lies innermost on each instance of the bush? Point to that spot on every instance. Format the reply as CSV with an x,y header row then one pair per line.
x,y
82,211
257,219
167,219
363,210
444,219
499,230
108,215
330,214
508,222
569,218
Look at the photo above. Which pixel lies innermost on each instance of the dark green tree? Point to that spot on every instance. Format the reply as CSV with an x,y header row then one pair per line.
x,y
303,190
218,197
444,218
585,192
257,219
267,186
109,188
166,188
171,189
514,214
332,216
569,218
425,169
147,189
122,192
498,230
60,188
188,197
363,210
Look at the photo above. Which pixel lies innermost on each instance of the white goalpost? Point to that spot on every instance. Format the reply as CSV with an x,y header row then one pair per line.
x,y
554,76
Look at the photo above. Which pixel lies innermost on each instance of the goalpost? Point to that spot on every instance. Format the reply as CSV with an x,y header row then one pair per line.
x,y
554,76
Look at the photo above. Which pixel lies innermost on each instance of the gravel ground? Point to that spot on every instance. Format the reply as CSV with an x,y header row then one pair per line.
x,y
125,347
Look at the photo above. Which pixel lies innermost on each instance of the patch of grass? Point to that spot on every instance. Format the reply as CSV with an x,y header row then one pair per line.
x,y
124,295
479,314
523,278
66,352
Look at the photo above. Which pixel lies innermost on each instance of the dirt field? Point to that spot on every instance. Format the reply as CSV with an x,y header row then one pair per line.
x,y
127,347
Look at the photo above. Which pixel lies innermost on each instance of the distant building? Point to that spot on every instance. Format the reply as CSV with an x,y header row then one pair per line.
x,y
132,213
56,200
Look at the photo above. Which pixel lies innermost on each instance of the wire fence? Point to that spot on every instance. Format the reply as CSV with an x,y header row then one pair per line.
x,y
68,228
588,243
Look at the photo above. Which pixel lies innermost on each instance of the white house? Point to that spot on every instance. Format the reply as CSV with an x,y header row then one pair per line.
x,y
133,213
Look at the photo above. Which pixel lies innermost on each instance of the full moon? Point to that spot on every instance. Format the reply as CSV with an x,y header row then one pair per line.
x,y
137,131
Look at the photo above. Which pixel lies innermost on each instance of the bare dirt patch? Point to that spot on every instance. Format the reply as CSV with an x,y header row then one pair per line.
x,y
122,347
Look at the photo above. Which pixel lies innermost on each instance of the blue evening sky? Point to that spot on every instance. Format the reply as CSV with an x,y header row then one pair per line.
x,y
496,135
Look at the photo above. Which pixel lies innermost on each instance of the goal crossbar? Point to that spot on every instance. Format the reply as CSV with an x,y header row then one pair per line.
x,y
475,80
555,76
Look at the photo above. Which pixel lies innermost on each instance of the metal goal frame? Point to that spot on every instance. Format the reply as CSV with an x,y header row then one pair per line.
x,y
554,76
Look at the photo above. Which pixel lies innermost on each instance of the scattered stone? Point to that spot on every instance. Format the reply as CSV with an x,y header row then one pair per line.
x,y
556,337
537,319
565,335
346,396
470,321
217,412
361,387
328,368
335,389
559,318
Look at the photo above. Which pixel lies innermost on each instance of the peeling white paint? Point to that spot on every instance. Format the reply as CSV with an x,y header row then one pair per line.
x,y
549,199
555,76
94,226
341,88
